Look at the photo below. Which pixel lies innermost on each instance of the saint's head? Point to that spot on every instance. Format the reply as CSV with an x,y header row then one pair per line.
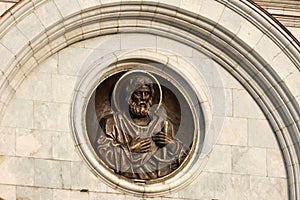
x,y
137,94
140,101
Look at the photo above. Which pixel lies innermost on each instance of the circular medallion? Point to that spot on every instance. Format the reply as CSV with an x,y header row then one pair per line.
x,y
139,125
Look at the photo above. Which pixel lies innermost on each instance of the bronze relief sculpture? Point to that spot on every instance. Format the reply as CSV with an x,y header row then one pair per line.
x,y
137,138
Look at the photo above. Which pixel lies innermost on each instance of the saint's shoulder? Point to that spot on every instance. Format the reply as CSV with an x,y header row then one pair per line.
x,y
107,123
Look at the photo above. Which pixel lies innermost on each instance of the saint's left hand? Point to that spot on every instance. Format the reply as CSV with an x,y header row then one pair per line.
x,y
162,138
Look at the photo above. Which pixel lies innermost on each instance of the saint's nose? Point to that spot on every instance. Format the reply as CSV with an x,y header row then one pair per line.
x,y
144,95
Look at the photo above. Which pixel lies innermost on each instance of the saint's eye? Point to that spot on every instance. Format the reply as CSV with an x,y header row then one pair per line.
x,y
137,94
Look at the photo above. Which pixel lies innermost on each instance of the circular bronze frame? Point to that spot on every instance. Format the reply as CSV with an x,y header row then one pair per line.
x,y
100,103
197,100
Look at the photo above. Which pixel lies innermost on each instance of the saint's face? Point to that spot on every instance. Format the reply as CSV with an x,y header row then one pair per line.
x,y
142,95
141,101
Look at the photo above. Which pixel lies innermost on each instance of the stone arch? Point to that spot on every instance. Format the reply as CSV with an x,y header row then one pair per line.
x,y
243,55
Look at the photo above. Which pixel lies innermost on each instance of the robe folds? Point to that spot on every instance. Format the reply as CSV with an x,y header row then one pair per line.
x,y
115,134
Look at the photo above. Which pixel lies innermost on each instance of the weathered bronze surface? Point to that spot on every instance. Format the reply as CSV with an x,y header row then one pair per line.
x,y
138,125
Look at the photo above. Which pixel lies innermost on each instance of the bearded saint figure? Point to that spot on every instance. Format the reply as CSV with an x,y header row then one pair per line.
x,y
137,140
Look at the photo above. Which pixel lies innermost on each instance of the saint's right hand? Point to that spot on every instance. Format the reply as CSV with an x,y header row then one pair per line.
x,y
140,146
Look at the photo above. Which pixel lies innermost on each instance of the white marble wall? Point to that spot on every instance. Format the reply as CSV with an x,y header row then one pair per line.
x,y
38,158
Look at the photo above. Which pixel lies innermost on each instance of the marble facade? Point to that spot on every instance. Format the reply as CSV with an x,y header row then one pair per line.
x,y
46,46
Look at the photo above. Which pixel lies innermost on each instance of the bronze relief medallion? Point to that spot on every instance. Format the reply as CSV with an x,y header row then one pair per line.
x,y
140,125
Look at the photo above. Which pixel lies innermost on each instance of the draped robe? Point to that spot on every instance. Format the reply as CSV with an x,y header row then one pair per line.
x,y
118,131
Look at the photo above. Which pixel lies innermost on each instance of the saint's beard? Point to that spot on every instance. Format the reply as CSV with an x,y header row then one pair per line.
x,y
140,110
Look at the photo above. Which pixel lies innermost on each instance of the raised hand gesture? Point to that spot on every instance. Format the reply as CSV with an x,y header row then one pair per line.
x,y
140,145
164,137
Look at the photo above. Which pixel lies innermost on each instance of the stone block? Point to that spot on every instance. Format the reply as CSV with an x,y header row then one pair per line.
x,y
249,161
265,188
88,3
63,147
230,187
77,195
48,13
221,100
231,20
209,71
74,195
249,33
240,188
175,48
219,159
7,93
116,196
60,194
170,2
8,192
267,49
31,193
25,89
218,186
202,188
261,134
38,86
228,103
83,178
295,31
33,143
51,116
293,82
282,60
50,65
137,41
109,1
191,5
18,114
67,7
6,57
16,170
73,60
17,43
234,132
53,174
30,26
7,141
275,164
211,10
106,42
245,106
228,80
63,88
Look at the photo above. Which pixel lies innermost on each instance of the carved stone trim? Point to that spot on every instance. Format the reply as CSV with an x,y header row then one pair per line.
x,y
286,11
